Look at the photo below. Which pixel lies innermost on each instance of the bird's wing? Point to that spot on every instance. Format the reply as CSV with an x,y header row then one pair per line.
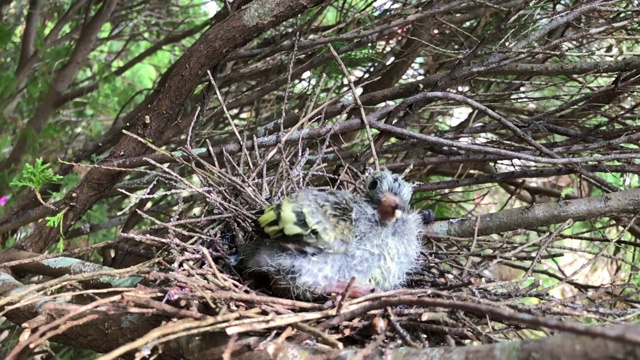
x,y
311,220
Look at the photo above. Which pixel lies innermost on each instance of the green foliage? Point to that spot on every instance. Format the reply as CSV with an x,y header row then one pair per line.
x,y
57,221
9,243
5,34
36,176
566,192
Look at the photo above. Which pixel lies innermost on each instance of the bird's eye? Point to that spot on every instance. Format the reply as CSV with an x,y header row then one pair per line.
x,y
373,184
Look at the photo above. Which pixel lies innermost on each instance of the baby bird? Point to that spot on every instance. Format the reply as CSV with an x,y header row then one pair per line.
x,y
316,241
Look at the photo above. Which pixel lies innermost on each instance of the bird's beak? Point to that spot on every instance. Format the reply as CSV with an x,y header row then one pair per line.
x,y
389,208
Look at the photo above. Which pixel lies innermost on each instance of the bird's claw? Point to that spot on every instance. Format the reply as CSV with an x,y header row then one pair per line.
x,y
355,291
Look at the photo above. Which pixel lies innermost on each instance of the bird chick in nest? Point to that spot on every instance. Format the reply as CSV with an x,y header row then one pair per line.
x,y
316,241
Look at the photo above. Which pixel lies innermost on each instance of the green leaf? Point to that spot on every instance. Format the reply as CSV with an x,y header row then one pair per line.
x,y
36,176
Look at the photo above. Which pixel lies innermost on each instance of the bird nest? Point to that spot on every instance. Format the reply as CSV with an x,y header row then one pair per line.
x,y
479,290
463,293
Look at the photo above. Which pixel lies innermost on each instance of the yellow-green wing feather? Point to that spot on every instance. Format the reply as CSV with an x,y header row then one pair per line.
x,y
312,218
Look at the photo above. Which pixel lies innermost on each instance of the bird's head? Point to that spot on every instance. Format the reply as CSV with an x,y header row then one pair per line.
x,y
390,194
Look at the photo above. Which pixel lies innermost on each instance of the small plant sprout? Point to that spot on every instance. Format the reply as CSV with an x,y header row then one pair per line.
x,y
36,177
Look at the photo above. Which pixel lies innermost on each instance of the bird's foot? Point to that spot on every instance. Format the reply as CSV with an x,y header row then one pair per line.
x,y
355,291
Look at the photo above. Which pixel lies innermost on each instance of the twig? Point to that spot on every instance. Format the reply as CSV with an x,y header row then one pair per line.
x,y
402,332
345,295
213,267
363,115
322,336
230,347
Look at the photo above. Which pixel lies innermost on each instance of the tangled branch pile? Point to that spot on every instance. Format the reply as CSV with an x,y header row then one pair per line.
x,y
517,120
